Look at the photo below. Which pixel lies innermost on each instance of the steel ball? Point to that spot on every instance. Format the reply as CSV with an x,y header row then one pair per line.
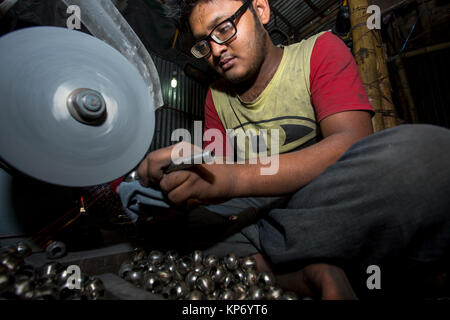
x,y
195,295
205,284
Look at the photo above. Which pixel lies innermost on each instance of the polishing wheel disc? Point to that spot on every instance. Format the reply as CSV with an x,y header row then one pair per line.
x,y
74,111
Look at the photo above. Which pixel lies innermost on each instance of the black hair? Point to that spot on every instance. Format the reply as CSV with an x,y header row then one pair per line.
x,y
179,11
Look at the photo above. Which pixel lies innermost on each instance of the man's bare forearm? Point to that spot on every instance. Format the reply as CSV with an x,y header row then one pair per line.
x,y
295,169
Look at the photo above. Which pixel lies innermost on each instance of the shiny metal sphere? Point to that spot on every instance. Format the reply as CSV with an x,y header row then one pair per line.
x,y
210,260
152,283
227,294
197,257
22,249
289,296
213,295
274,293
151,268
195,295
180,290
51,269
251,278
199,268
6,281
155,257
191,279
185,265
171,256
23,289
94,288
125,268
217,273
138,256
240,291
135,276
239,275
248,263
228,280
266,279
205,284
25,271
46,292
255,293
231,261
10,261
165,276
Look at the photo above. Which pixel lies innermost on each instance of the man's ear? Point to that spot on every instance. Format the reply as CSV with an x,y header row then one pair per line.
x,y
262,10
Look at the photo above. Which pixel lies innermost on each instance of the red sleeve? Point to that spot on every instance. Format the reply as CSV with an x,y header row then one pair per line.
x,y
334,79
212,121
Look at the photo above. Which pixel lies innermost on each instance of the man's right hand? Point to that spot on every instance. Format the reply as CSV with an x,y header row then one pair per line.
x,y
151,169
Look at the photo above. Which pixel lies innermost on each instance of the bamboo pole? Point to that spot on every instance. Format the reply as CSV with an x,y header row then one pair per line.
x,y
389,115
366,58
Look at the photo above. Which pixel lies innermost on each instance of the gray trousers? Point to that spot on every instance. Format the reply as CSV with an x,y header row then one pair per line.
x,y
386,201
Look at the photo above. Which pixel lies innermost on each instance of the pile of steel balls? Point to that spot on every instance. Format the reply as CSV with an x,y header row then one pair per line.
x,y
198,277
19,280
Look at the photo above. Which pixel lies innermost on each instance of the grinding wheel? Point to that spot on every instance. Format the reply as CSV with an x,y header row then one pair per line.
x,y
74,111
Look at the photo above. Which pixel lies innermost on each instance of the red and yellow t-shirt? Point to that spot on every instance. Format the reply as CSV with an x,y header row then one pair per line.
x,y
316,78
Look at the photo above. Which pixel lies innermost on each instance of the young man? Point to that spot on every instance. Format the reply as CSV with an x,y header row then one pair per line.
x,y
341,196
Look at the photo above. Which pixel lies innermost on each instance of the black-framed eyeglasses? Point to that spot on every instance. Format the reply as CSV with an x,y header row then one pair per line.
x,y
221,33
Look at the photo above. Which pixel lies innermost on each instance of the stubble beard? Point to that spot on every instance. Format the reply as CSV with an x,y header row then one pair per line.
x,y
260,50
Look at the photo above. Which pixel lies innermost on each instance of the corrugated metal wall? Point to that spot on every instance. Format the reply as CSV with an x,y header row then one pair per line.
x,y
428,76
182,105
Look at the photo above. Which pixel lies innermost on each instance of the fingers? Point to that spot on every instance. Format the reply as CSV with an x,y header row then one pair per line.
x,y
151,169
179,186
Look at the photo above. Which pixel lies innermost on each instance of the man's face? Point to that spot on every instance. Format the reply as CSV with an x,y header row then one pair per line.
x,y
240,58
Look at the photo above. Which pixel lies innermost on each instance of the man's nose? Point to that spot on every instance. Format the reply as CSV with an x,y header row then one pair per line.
x,y
217,49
